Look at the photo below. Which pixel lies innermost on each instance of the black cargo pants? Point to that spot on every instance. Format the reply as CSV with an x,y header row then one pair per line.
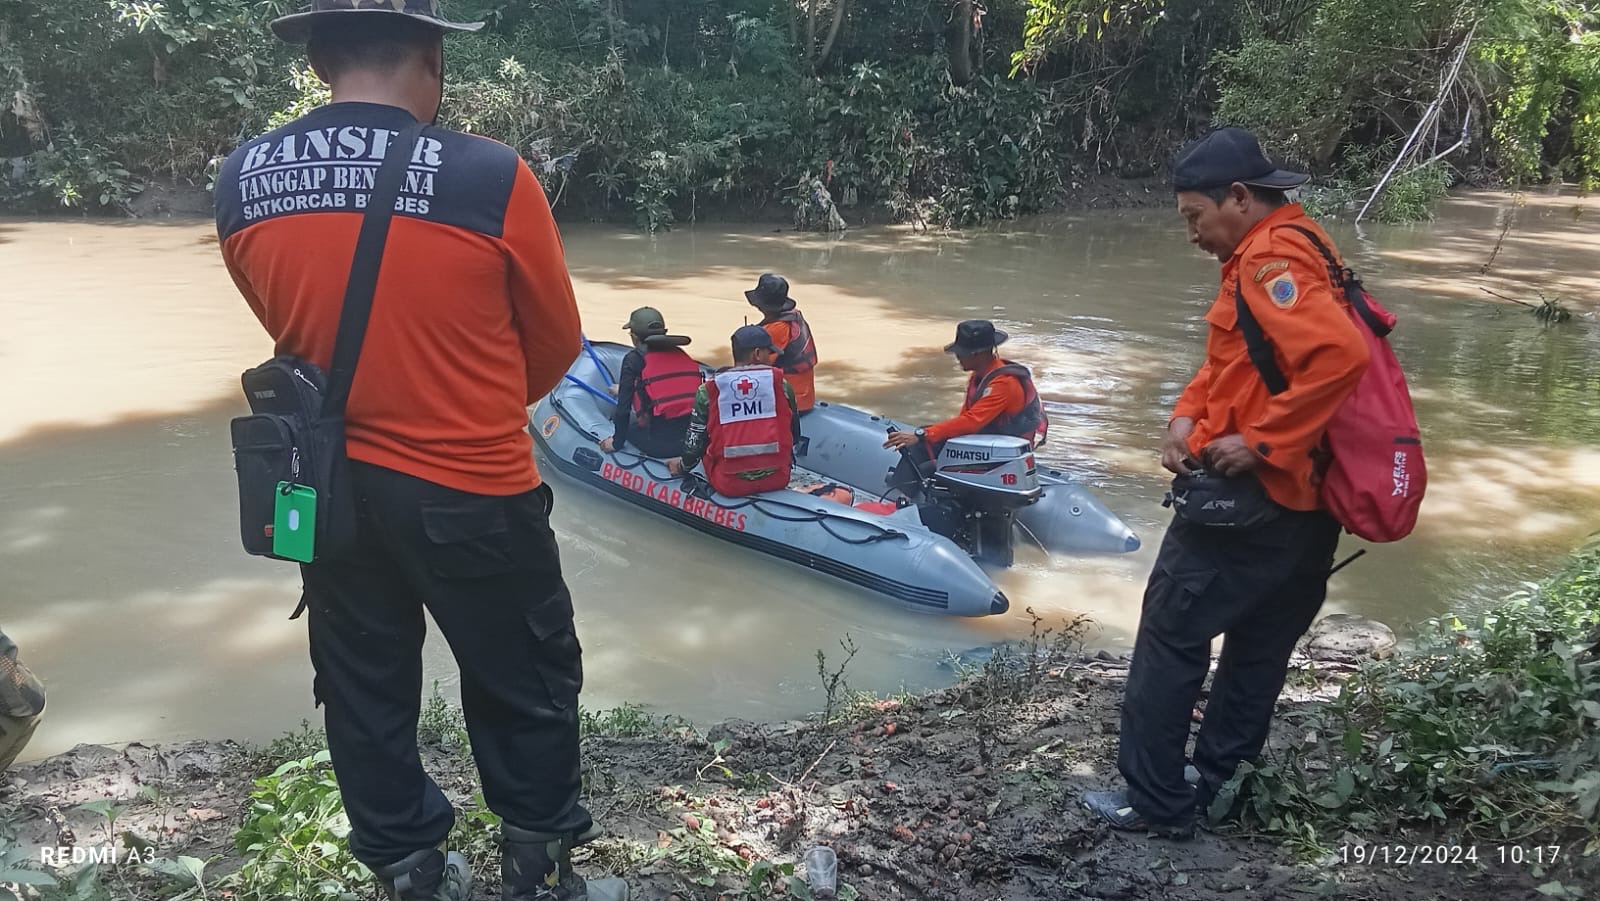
x,y
1260,590
487,569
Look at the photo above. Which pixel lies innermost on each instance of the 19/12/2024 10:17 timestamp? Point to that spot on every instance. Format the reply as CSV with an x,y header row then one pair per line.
x,y
1445,855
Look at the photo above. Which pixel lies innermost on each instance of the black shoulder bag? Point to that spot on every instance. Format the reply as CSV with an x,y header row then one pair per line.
x,y
295,436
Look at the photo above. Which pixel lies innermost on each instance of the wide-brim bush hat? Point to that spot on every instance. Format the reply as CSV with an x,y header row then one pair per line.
x,y
975,336
771,293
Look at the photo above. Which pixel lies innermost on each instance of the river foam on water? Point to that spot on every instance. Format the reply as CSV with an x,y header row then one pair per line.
x,y
126,588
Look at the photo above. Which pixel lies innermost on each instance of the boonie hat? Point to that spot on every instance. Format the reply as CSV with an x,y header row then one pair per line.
x,y
1230,155
770,293
646,321
752,337
296,28
974,336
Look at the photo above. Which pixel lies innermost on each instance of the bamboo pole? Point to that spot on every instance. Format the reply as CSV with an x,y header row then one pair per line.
x,y
1428,119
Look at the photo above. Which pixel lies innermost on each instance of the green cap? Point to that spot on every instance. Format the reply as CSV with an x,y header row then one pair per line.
x,y
646,321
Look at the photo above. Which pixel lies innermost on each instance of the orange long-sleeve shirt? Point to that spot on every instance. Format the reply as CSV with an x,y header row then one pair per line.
x,y
1285,284
1004,396
473,318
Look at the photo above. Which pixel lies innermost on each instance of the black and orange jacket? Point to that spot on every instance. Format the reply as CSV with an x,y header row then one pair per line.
x,y
1284,281
797,354
1004,397
474,316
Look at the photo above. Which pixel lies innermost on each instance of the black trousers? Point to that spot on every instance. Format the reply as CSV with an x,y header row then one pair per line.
x,y
661,439
1260,590
487,569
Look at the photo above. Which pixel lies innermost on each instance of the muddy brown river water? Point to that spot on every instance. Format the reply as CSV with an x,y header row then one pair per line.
x,y
125,586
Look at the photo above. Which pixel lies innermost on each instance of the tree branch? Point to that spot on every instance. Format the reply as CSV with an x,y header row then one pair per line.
x,y
811,29
833,31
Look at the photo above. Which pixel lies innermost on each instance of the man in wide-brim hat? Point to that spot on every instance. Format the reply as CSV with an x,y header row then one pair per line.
x,y
472,317
1000,398
797,349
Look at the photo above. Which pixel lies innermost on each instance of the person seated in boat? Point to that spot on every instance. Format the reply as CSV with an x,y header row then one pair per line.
x,y
797,349
738,428
655,390
1000,400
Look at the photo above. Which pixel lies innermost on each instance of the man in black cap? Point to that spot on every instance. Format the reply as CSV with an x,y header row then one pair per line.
x,y
472,319
740,428
1000,399
1261,587
797,349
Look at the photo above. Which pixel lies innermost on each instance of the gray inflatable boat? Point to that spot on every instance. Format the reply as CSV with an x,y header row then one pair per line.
x,y
915,543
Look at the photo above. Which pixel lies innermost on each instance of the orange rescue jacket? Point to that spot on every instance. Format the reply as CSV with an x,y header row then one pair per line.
x,y
1284,281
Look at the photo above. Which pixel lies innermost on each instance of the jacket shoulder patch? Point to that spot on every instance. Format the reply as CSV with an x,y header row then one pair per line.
x,y
1283,291
1274,266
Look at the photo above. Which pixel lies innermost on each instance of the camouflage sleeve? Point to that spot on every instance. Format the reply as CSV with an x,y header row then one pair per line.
x,y
794,412
694,439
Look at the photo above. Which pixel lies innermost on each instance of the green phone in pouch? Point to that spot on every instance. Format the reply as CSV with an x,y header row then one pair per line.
x,y
294,522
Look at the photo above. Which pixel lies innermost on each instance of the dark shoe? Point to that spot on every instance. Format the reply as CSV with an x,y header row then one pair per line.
x,y
537,866
1115,809
427,875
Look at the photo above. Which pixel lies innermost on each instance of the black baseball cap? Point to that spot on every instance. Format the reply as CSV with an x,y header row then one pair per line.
x,y
1230,155
753,337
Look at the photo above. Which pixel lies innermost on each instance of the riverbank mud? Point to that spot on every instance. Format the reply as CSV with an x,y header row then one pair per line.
x,y
964,793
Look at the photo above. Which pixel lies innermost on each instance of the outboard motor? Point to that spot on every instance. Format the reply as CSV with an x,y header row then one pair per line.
x,y
972,491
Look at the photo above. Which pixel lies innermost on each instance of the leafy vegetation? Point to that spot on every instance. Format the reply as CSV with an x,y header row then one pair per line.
x,y
1506,88
1483,733
294,837
1407,197
946,112
294,745
1485,728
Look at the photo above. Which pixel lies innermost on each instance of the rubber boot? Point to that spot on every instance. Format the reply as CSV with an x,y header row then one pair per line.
x,y
427,875
537,866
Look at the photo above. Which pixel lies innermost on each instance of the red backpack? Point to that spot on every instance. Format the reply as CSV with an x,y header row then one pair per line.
x,y
1376,476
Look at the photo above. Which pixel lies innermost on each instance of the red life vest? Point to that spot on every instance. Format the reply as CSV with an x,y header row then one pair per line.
x,y
749,427
800,354
1030,422
667,385
1377,475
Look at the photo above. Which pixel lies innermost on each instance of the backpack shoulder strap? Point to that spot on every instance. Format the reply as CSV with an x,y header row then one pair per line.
x,y
1344,278
368,259
1327,253
1259,347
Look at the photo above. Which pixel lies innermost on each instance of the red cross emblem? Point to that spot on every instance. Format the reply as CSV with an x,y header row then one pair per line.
x,y
745,386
